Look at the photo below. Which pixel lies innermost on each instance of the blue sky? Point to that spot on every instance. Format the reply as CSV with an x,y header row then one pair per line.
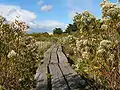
x,y
44,15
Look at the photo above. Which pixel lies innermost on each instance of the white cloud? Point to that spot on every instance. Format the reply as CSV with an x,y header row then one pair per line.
x,y
11,12
46,8
40,2
47,25
50,24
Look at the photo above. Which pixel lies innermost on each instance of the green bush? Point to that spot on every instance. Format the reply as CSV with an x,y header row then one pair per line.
x,y
96,45
19,56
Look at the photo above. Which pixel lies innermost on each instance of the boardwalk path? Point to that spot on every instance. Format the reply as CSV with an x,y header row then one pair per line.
x,y
56,74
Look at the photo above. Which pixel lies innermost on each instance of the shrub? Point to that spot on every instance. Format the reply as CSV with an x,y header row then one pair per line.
x,y
19,55
96,45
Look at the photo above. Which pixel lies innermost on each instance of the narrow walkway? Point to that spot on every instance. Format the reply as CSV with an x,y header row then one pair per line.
x,y
56,74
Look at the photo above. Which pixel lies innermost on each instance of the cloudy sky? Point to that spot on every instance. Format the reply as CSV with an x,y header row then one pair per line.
x,y
44,15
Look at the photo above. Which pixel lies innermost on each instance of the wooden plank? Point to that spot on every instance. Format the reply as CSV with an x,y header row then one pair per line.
x,y
58,82
46,61
41,73
47,55
42,66
41,77
62,73
62,57
54,55
60,48
74,80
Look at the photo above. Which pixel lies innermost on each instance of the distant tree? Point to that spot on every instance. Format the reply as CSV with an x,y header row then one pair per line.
x,y
57,31
71,28
45,33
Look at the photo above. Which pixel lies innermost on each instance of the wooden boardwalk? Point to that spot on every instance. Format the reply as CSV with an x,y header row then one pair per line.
x,y
56,74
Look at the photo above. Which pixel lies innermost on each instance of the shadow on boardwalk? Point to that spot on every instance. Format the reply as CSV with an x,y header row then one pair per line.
x,y
56,73
72,79
58,83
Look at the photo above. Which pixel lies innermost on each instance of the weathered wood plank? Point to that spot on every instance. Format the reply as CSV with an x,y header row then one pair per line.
x,y
45,61
63,76
41,73
61,56
59,48
41,78
47,55
74,80
54,55
58,82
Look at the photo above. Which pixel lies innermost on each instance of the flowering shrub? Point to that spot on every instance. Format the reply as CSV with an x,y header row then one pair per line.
x,y
97,47
19,55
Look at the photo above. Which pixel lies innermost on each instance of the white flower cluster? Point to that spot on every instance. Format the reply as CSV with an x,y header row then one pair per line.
x,y
118,25
104,44
104,20
104,50
84,19
85,42
75,50
79,43
12,53
101,51
83,48
86,55
71,39
104,27
110,9
111,57
86,16
30,46
18,25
